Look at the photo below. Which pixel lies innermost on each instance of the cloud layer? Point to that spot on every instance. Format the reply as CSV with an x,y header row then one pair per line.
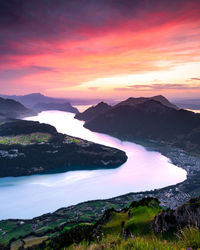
x,y
50,44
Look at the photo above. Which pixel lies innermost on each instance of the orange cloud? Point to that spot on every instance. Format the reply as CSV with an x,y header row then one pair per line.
x,y
82,45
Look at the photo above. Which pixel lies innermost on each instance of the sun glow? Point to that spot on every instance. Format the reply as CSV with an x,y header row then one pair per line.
x,y
88,52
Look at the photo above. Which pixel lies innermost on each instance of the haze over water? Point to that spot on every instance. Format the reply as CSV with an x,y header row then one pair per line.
x,y
30,196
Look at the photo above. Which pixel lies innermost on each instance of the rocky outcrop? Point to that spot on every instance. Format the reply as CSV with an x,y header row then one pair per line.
x,y
185,215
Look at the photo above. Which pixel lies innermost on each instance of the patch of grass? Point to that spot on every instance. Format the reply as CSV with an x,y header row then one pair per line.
x,y
14,232
33,240
16,245
189,237
25,139
114,225
137,220
7,225
142,217
132,243
70,139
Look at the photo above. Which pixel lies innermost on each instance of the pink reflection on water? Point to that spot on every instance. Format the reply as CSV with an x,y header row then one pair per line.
x,y
29,196
143,170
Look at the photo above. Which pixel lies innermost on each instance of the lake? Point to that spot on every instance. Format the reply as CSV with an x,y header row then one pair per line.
x,y
30,196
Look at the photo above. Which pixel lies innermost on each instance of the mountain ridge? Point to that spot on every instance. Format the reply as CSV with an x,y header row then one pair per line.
x,y
93,111
11,109
67,107
134,101
149,120
28,147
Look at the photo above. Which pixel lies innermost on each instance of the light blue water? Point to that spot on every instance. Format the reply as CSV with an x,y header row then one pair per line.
x,y
30,196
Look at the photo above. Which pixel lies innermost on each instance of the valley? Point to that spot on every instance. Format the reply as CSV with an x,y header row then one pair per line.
x,y
99,125
36,230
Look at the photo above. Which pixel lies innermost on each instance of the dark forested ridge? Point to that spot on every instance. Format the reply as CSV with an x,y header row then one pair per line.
x,y
139,100
67,107
10,109
150,120
22,127
93,111
28,147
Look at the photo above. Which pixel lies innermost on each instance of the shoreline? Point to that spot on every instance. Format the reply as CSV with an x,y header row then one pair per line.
x,y
169,196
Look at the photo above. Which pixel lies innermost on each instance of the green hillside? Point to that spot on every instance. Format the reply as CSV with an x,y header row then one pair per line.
x,y
129,228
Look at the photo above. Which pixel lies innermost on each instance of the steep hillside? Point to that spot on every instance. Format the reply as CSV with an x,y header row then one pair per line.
x,y
129,228
182,216
67,107
93,111
102,107
32,99
30,148
150,120
134,101
10,109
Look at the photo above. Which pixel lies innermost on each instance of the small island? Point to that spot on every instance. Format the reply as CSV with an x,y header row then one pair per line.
x,y
28,147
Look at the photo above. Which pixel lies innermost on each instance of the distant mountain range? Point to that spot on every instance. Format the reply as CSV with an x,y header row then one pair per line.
x,y
33,99
67,107
39,102
154,119
11,109
102,107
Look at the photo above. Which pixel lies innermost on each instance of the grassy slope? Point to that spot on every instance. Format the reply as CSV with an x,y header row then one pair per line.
x,y
137,223
25,139
140,234
187,239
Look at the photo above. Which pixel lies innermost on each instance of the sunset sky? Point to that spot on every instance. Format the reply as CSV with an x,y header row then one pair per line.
x,y
100,48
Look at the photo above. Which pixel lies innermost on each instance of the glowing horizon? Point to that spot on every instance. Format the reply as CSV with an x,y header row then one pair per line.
x,y
94,49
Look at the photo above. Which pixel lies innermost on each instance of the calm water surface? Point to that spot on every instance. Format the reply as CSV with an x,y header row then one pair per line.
x,y
30,196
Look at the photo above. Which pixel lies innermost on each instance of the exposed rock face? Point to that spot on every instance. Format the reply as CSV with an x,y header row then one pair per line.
x,y
185,215
93,111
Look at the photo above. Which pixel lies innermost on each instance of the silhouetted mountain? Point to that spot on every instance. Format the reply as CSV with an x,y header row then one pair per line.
x,y
93,111
134,101
10,109
67,107
31,100
150,120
